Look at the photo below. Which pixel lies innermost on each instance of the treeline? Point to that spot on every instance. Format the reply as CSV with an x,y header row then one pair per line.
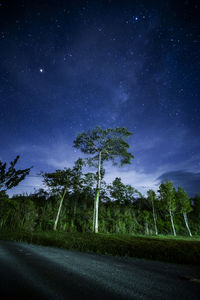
x,y
122,208
75,201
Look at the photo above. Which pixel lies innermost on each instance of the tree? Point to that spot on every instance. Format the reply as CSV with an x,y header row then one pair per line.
x,y
146,218
77,181
167,196
11,177
152,198
185,205
196,205
59,182
104,145
122,193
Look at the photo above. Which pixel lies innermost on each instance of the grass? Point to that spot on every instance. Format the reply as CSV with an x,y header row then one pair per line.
x,y
181,250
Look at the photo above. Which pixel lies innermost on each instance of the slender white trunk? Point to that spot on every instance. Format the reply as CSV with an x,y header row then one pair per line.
x,y
186,223
154,218
59,209
172,222
96,202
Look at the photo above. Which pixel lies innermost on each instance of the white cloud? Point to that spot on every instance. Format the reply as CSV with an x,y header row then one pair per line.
x,y
58,155
29,185
139,180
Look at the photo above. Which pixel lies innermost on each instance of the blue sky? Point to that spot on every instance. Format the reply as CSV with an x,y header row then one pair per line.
x,y
69,67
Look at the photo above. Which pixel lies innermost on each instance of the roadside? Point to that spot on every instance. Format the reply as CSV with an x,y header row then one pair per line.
x,y
163,249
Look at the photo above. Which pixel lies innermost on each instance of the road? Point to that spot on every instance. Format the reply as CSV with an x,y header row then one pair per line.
x,y
38,272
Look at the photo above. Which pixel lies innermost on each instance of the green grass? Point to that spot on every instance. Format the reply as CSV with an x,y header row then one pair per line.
x,y
181,250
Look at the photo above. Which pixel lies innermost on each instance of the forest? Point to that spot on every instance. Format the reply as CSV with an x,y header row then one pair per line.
x,y
74,201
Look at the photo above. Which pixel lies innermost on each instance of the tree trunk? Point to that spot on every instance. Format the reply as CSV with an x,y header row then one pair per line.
x,y
172,222
146,228
96,202
75,207
154,218
59,209
74,211
186,223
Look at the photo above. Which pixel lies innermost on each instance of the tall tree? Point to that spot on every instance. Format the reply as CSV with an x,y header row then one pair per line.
x,y
167,196
104,145
185,205
10,177
152,198
59,183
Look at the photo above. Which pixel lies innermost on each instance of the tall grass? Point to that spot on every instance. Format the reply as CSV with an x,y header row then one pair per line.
x,y
164,248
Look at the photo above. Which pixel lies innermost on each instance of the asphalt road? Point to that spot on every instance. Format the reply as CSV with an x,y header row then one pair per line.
x,y
37,272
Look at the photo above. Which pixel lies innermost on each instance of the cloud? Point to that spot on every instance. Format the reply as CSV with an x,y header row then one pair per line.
x,y
188,180
58,155
191,164
138,179
29,185
144,176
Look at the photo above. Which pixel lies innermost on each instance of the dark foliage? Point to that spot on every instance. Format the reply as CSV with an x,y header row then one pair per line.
x,y
10,177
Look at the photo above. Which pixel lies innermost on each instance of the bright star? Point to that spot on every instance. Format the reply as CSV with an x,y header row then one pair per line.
x,y
41,70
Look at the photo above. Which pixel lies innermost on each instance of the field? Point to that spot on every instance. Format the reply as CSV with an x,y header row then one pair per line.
x,y
181,250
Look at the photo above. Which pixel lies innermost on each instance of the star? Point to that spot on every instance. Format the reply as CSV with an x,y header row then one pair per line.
x,y
41,70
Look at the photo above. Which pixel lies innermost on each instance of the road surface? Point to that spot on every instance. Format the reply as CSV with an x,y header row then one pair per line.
x,y
38,272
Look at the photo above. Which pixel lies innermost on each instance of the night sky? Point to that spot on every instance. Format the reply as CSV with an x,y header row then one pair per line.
x,y
67,66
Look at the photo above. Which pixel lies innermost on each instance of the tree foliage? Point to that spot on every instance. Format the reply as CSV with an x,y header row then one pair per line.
x,y
10,176
110,142
122,193
183,201
168,199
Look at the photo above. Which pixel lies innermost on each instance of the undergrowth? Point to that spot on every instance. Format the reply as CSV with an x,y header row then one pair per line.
x,y
164,248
